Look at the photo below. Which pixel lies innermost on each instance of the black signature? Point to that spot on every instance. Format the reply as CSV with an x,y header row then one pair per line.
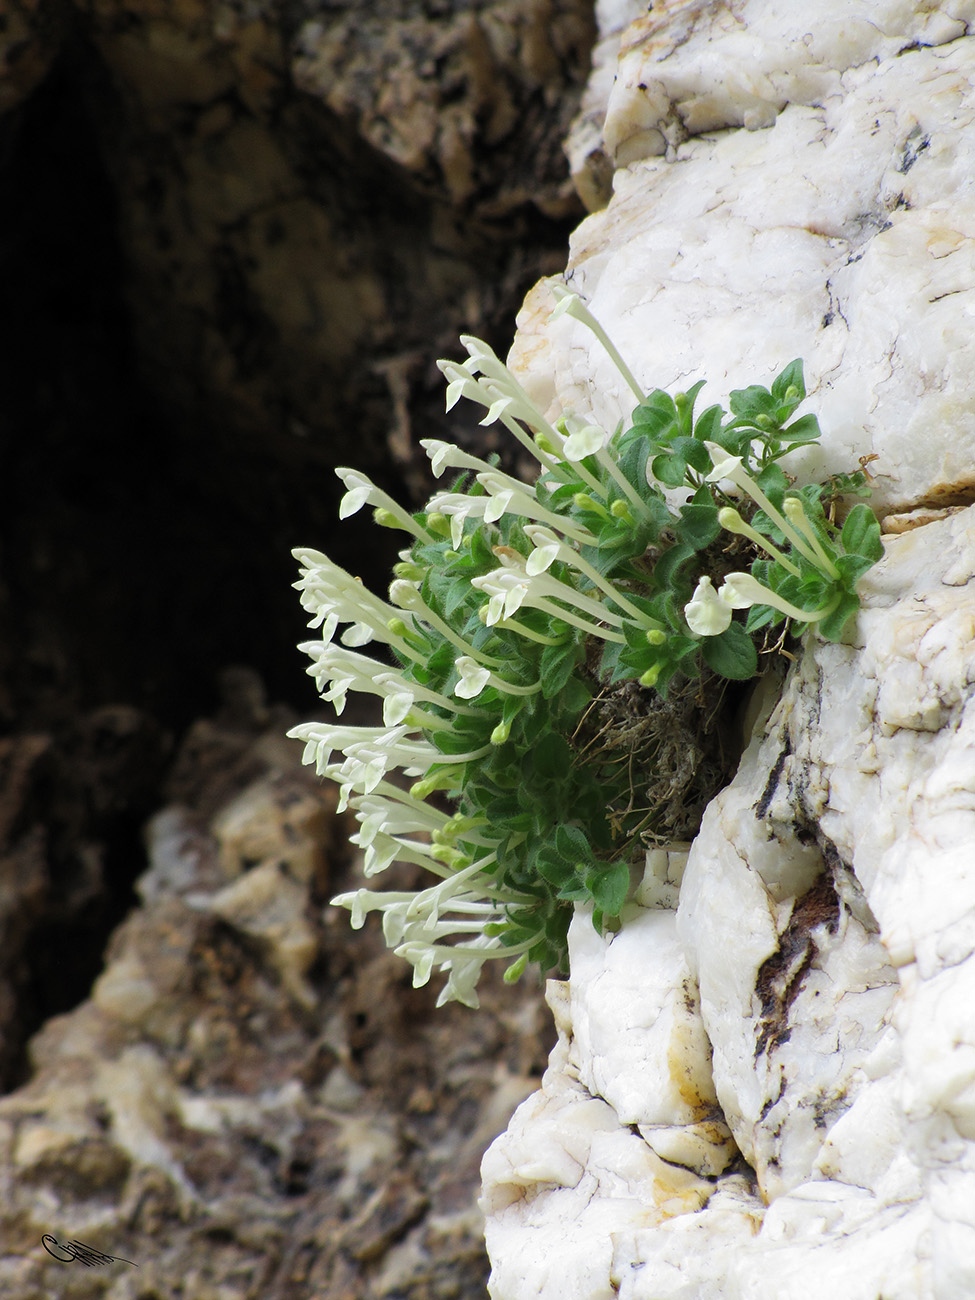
x,y
77,1251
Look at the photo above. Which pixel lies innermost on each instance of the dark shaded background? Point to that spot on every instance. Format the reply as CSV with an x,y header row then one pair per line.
x,y
223,271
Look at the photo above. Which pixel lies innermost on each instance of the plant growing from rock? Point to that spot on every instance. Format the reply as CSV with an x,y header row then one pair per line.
x,y
550,653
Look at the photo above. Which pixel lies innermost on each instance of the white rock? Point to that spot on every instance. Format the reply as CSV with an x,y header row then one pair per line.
x,y
849,1085
824,939
821,238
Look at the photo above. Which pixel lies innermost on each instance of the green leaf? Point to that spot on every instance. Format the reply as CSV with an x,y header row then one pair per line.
x,y
773,483
708,424
852,568
506,813
861,533
551,755
698,525
732,654
831,627
553,868
790,377
572,845
556,666
694,453
805,429
609,884
657,415
752,401
667,568
669,469
760,616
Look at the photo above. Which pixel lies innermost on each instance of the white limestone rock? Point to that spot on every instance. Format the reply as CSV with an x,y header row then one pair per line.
x,y
822,931
666,72
827,917
845,235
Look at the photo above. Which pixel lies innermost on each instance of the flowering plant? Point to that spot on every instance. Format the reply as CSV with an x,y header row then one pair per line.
x,y
516,612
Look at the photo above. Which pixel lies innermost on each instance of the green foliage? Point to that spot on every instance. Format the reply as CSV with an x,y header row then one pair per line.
x,y
516,603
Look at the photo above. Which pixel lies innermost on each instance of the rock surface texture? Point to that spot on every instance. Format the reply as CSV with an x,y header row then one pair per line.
x,y
764,1087
253,1102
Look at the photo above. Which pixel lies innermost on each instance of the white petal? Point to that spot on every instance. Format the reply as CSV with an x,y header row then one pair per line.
x,y
353,501
586,442
396,707
707,612
473,678
356,634
741,591
497,506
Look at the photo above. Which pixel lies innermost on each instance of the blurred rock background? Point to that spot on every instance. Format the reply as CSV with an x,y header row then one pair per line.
x,y
234,238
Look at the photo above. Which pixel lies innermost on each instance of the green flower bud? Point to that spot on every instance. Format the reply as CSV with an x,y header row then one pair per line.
x,y
764,422
410,571
655,636
649,678
620,510
435,781
438,524
385,518
500,733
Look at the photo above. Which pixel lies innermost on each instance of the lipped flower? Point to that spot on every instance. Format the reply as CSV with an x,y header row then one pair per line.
x,y
742,590
708,613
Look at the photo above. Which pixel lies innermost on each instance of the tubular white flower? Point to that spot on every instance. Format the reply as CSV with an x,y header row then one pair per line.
x,y
708,613
444,455
509,591
473,680
570,304
732,522
333,596
406,596
521,499
730,467
741,591
794,511
361,490
549,547
501,393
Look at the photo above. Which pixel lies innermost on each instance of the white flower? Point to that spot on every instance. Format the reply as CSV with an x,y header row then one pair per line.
x,y
547,548
473,678
396,706
463,972
444,455
725,465
499,503
357,634
507,591
708,613
420,956
360,489
584,442
741,591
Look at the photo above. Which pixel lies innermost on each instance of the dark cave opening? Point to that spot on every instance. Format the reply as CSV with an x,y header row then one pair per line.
x,y
145,538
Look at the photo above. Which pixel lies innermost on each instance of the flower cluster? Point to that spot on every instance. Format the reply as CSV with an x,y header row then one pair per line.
x,y
513,605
